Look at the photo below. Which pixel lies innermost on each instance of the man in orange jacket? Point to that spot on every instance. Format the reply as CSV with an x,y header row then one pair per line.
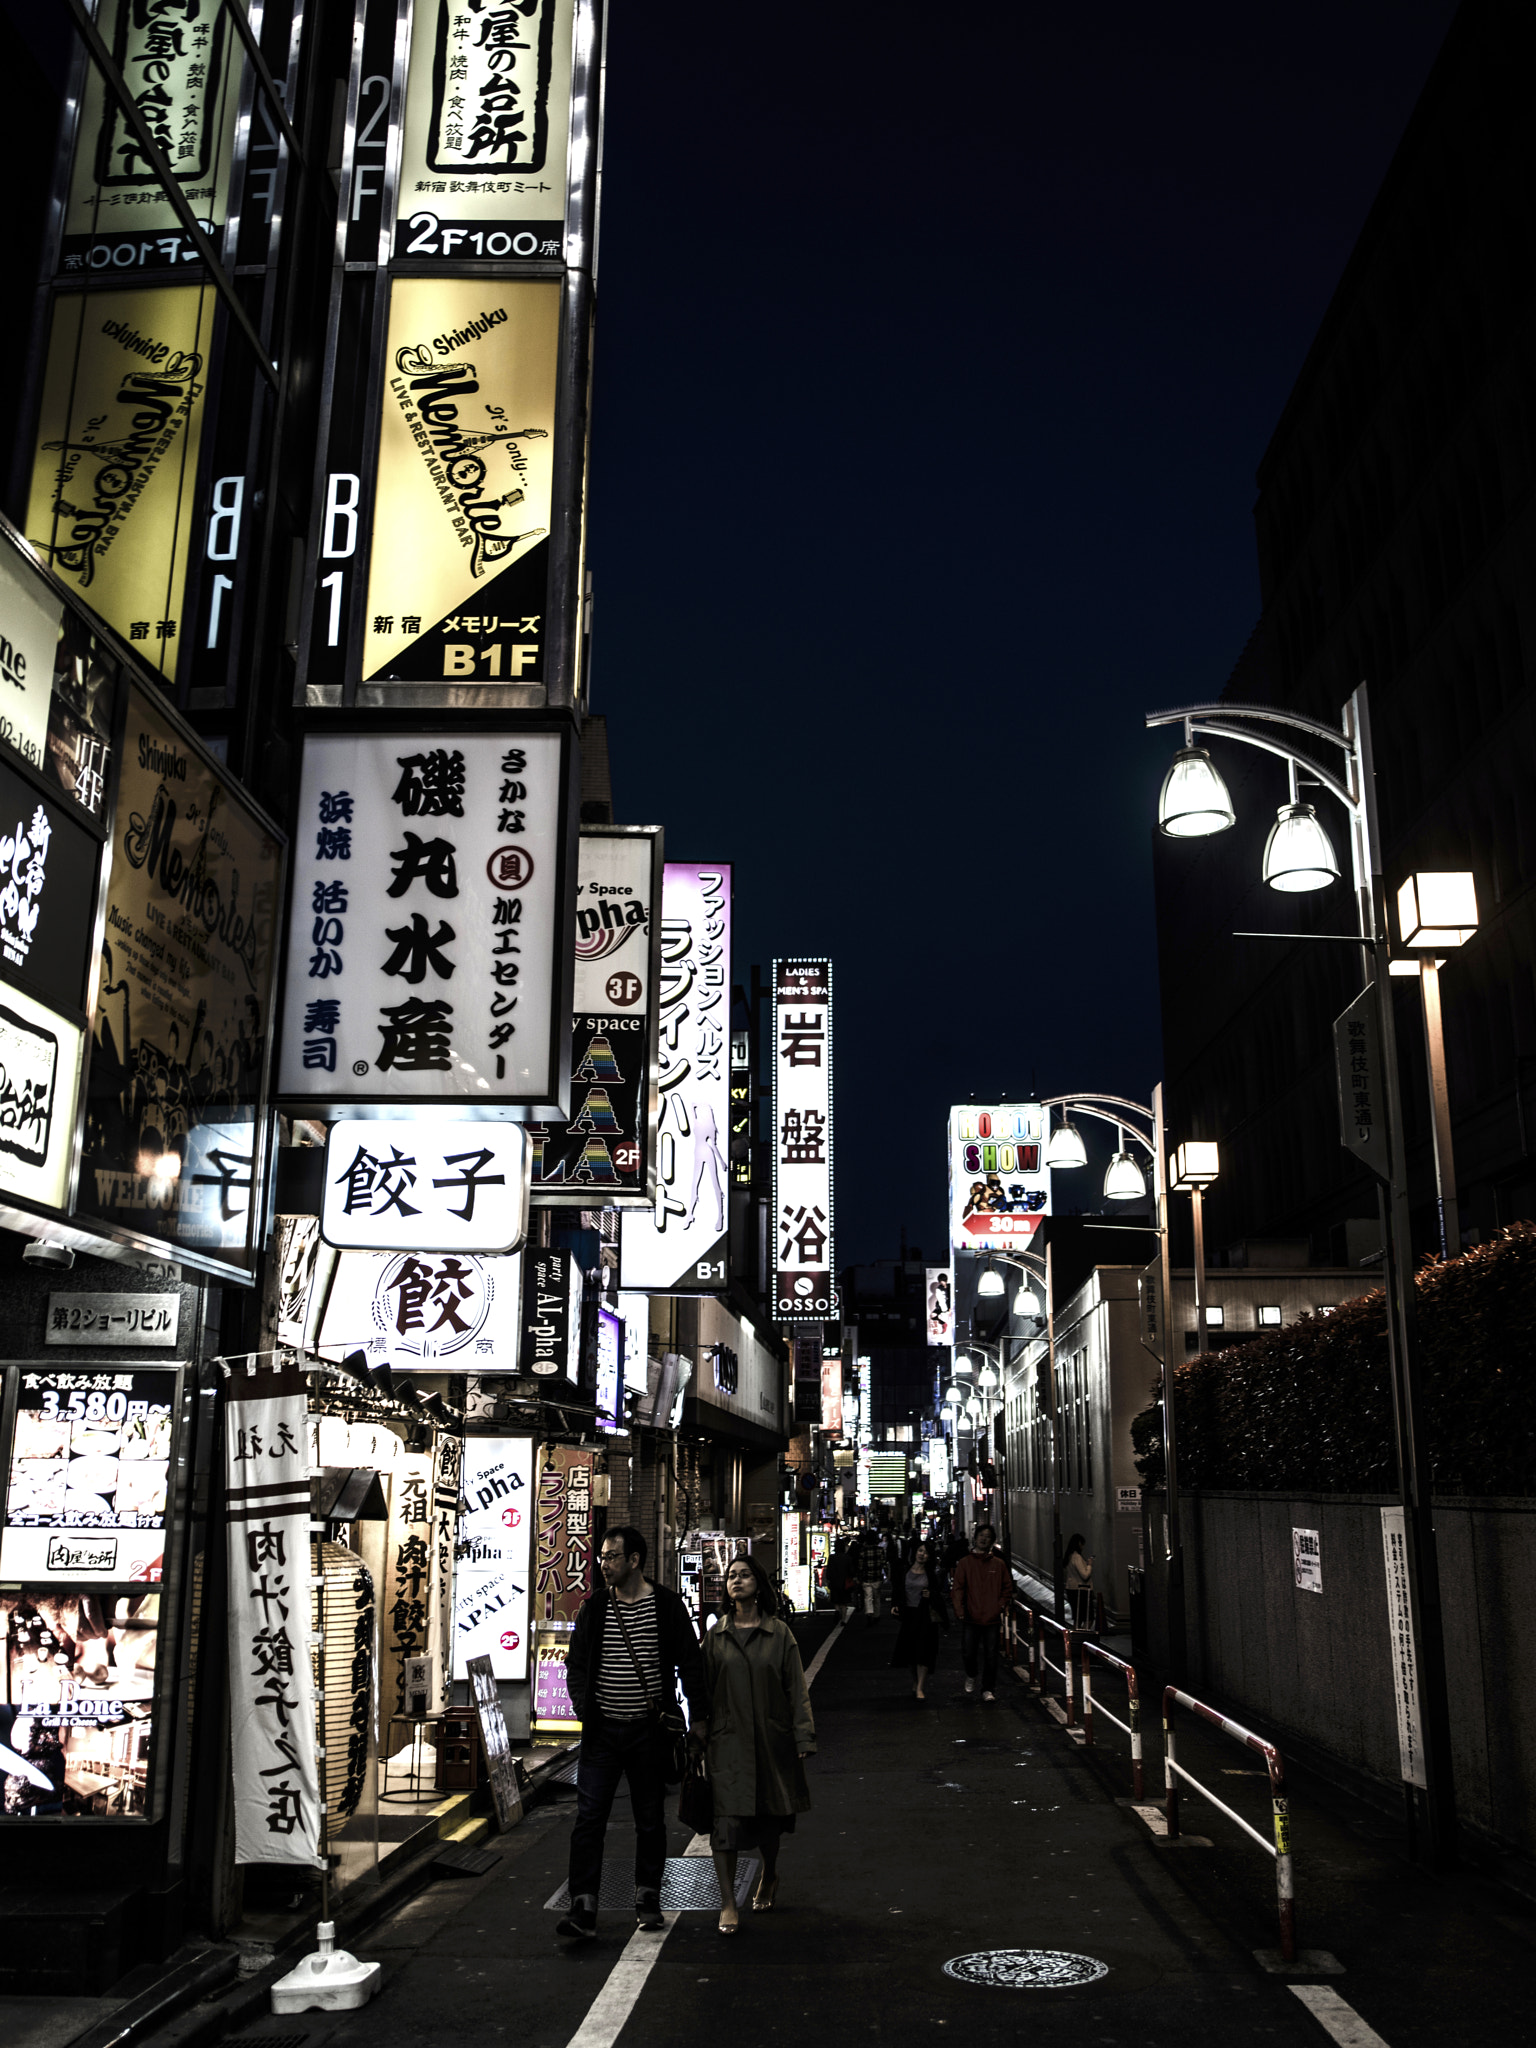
x,y
983,1587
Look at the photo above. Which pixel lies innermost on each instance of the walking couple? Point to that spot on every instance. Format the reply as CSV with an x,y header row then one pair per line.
x,y
633,1646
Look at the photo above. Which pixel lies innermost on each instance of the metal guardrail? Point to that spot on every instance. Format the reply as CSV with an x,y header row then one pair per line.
x,y
1042,1663
1280,1848
1088,1649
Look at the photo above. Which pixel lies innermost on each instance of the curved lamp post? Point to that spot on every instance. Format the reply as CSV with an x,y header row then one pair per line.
x,y
1299,856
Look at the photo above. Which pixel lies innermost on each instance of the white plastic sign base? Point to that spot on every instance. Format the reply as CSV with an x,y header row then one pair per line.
x,y
330,1980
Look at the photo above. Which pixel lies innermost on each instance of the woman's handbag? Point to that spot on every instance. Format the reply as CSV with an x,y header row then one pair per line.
x,y
696,1799
667,1724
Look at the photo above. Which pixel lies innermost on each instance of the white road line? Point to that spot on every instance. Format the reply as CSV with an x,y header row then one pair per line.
x,y
820,1657
616,2001
1342,2022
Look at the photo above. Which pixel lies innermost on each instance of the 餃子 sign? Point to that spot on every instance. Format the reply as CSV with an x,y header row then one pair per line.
x,y
428,948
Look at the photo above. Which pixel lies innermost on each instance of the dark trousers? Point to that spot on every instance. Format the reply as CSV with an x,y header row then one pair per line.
x,y
978,1644
611,1750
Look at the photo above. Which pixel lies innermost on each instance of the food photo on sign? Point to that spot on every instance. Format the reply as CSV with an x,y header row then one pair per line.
x,y
86,1490
76,1724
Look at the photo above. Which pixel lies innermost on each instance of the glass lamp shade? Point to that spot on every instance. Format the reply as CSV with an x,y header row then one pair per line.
x,y
974,1409
1298,855
1194,802
954,1395
1196,1164
1125,1181
987,1378
1066,1147
990,1285
1437,910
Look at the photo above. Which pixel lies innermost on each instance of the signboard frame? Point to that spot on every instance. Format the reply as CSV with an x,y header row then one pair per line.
x,y
794,1179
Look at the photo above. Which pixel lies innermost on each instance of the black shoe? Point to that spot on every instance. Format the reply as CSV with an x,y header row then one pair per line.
x,y
648,1912
580,1924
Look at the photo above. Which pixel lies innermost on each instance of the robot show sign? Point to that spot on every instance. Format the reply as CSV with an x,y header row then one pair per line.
x,y
999,1185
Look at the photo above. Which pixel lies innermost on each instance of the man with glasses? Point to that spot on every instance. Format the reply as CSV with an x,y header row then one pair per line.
x,y
632,1645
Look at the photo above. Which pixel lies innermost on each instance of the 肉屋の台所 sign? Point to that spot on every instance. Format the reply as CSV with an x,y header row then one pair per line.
x,y
804,1261
428,953
604,1153
683,1245
999,1187
434,1184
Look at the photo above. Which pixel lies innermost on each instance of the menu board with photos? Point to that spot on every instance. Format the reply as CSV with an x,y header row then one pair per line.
x,y
76,1718
89,1472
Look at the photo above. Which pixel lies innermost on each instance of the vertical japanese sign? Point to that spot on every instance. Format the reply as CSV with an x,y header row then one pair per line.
x,y
1362,1100
490,1595
940,1288
487,129
562,1558
447,1482
553,1287
176,1097
606,1152
999,1184
743,1109
272,1688
683,1245
1405,1656
832,1395
411,1620
804,1288
180,60
462,508
428,953
110,505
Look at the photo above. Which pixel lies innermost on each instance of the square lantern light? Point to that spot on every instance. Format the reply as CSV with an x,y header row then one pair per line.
x,y
1434,911
1195,1165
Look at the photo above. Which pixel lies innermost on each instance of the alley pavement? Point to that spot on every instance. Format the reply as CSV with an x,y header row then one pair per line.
x,y
939,1832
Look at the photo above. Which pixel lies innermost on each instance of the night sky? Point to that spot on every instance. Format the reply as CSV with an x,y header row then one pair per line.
x,y
937,349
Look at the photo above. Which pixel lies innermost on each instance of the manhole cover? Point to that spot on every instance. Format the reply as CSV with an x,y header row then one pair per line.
x,y
1026,1969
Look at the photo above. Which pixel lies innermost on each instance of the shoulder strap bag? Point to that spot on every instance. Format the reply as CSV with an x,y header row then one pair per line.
x,y
667,1723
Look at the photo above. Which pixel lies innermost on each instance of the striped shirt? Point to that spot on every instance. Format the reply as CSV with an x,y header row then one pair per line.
x,y
620,1695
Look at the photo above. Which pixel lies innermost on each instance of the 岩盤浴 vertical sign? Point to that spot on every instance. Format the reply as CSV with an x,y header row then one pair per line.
x,y
803,1264
683,1245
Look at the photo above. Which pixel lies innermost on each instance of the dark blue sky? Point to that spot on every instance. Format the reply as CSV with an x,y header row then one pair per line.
x,y
937,348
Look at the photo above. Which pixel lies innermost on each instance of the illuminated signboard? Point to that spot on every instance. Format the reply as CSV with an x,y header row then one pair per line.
x,y
999,1187
426,951
605,1152
682,1246
426,1311
804,1289
941,1305
490,1556
86,1497
610,1370
434,1184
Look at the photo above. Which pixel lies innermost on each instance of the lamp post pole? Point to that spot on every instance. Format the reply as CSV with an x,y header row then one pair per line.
x,y
1440,1110
1355,789
1197,1206
1178,1644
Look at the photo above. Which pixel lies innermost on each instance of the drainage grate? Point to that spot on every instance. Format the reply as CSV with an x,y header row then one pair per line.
x,y
273,2040
688,1886
463,1861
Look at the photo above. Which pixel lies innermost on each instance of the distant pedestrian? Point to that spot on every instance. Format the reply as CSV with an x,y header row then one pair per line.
x,y
836,1577
760,1732
957,1547
632,1645
870,1565
922,1612
1077,1578
983,1592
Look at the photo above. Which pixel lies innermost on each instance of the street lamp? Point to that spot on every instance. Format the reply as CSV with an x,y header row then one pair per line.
x,y
1124,1181
1299,856
1066,1148
1195,1166
1434,911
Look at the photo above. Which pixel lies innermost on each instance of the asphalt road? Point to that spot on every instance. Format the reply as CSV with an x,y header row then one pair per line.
x,y
938,1832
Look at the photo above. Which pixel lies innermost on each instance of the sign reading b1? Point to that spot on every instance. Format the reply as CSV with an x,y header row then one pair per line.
x,y
436,1184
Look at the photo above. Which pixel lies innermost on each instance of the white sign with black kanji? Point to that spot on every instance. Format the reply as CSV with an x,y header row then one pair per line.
x,y
434,1184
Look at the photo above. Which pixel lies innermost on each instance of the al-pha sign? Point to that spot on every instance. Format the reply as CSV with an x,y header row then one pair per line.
x,y
999,1186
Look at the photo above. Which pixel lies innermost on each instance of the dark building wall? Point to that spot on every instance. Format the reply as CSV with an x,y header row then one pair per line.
x,y
1396,534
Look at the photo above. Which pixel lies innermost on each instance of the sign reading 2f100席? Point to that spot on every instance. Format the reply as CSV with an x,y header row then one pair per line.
x,y
427,951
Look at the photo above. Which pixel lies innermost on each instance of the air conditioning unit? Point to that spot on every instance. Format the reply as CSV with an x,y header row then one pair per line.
x,y
418,1687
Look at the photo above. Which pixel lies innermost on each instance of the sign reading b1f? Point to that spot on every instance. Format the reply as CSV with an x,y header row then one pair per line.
x,y
803,1264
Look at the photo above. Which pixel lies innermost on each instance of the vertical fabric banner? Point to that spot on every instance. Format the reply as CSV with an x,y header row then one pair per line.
x,y
271,1673
409,1576
562,1557
447,1481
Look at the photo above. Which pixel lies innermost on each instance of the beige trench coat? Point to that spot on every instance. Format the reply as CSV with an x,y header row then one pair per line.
x,y
759,1719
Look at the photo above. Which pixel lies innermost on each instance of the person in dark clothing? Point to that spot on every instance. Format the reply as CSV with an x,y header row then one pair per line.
x,y
869,1564
922,1610
632,1646
983,1591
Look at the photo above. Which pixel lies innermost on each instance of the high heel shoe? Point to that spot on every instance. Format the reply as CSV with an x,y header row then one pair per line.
x,y
765,1894
728,1926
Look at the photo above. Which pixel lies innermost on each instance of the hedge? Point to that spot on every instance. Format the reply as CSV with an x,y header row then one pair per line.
x,y
1309,1408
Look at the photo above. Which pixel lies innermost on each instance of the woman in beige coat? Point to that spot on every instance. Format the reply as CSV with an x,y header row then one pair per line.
x,y
760,1730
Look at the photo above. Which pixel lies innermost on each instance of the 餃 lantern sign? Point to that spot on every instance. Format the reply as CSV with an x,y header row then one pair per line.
x,y
428,950
803,1265
435,1184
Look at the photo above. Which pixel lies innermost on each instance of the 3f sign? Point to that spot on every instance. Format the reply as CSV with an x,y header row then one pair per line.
x,y
338,540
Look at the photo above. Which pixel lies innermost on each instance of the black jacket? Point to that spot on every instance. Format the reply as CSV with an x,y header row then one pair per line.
x,y
681,1658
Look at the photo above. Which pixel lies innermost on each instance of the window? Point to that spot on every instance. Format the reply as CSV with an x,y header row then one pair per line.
x,y
1269,1315
1215,1316
1326,1308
